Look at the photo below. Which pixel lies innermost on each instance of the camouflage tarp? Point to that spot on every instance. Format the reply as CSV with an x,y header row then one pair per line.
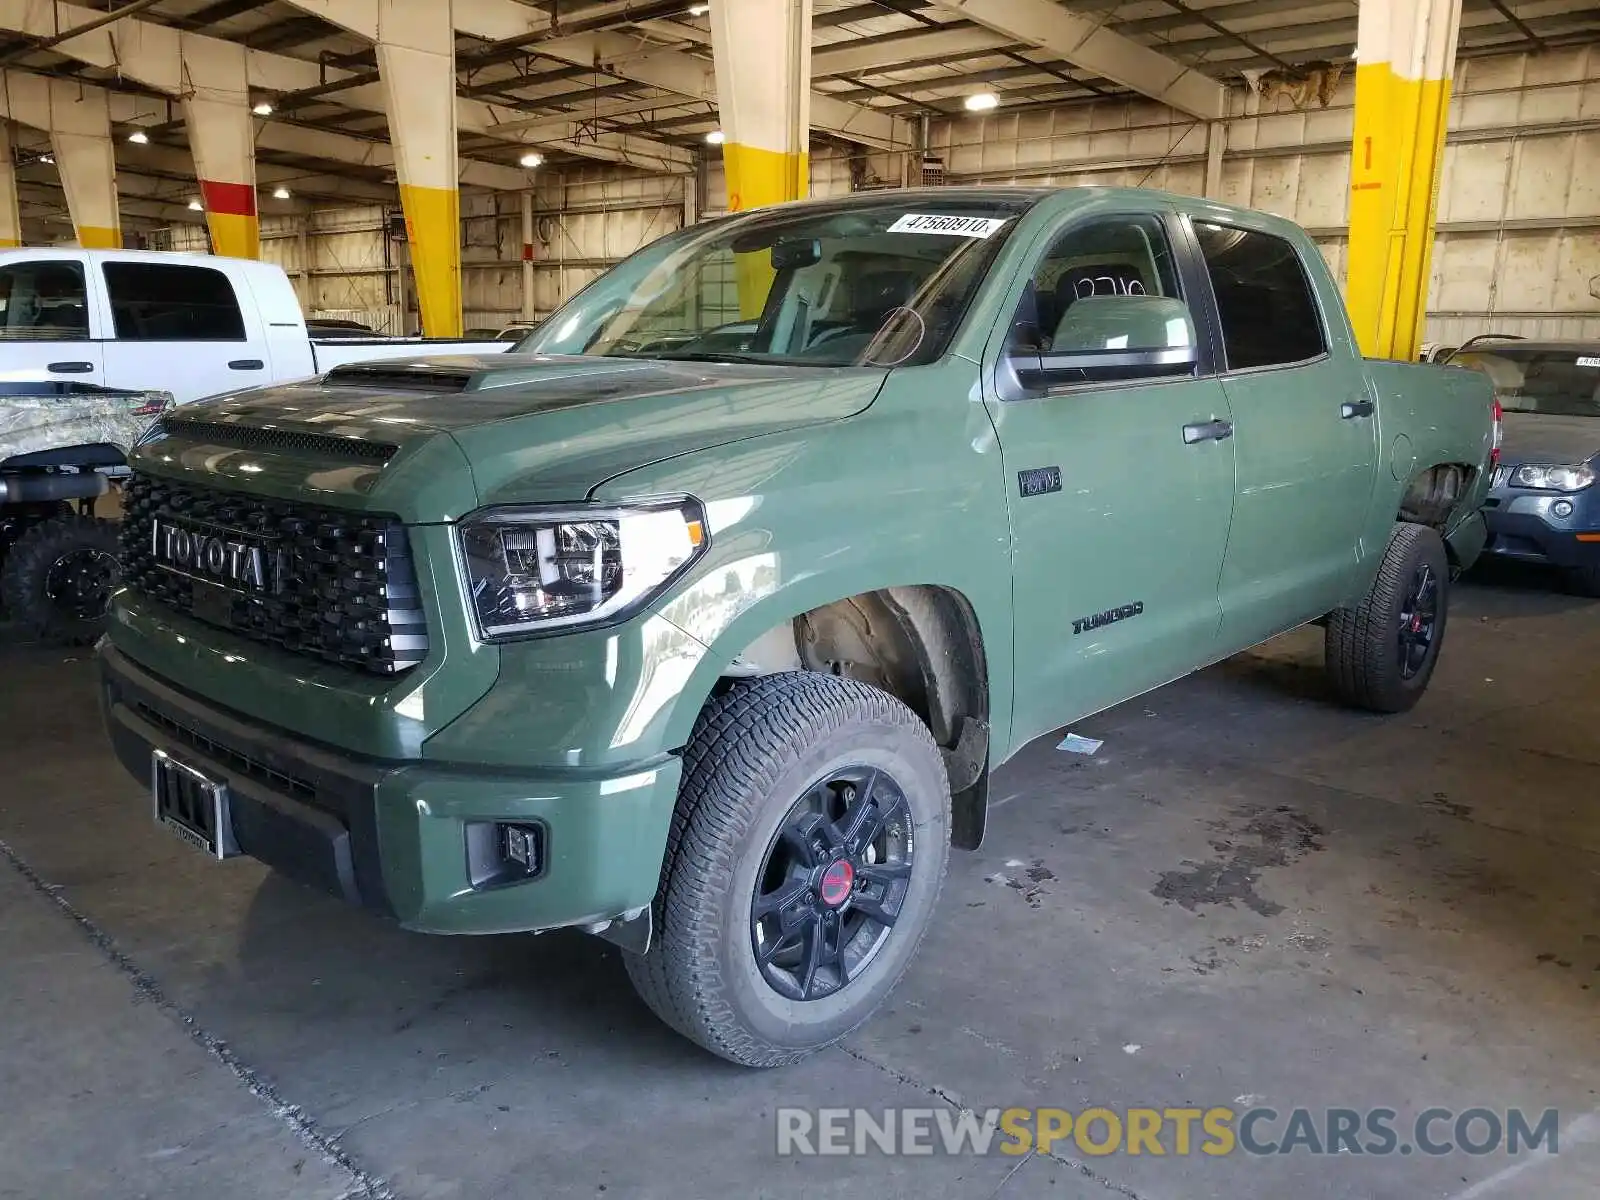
x,y
29,424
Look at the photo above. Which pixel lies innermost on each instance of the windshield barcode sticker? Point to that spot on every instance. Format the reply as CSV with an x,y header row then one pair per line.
x,y
977,227
1584,361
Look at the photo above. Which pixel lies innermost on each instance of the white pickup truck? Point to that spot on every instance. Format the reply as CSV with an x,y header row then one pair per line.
x,y
190,324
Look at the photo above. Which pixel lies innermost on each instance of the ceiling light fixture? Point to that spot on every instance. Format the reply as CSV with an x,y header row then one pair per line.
x,y
699,10
982,102
263,109
716,137
280,192
531,159
139,137
47,158
196,206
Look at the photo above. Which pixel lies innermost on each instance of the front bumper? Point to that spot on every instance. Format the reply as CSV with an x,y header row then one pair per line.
x,y
1522,526
392,835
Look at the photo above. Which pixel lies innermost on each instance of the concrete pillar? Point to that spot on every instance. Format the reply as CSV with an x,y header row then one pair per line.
x,y
80,139
216,109
10,215
762,50
1405,54
417,63
529,297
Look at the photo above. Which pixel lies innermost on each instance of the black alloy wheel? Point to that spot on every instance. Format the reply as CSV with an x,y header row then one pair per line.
x,y
1419,618
832,883
80,582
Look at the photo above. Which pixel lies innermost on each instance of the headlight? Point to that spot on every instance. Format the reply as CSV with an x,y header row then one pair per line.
x,y
1554,479
531,570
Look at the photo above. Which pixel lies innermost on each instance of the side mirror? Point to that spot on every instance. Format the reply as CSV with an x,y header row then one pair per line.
x,y
1113,337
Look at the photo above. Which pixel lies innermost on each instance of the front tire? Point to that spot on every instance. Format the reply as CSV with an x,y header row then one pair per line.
x,y
803,866
1585,581
58,578
1381,654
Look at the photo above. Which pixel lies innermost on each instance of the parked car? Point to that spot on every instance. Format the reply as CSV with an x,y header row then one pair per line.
x,y
192,325
515,333
1543,506
59,444
711,651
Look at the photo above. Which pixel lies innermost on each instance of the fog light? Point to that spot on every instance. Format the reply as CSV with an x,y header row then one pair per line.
x,y
501,852
1562,509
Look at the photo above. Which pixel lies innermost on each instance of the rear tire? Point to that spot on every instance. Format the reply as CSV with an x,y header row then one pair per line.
x,y
1585,581
811,806
58,579
1381,654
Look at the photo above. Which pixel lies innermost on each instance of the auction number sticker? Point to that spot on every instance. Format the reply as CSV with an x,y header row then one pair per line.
x,y
1587,361
977,227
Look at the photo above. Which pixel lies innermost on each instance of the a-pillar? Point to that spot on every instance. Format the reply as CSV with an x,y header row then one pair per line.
x,y
80,139
762,51
216,109
10,214
417,63
1405,53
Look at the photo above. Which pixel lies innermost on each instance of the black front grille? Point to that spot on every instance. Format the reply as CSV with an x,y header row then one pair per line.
x,y
254,437
289,785
334,585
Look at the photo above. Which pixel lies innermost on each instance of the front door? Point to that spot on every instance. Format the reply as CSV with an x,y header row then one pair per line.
x,y
47,323
1120,480
1305,425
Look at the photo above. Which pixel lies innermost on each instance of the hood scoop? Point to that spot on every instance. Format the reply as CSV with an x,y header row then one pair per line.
x,y
404,376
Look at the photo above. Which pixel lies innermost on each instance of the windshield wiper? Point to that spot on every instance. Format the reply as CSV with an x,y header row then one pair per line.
x,y
715,356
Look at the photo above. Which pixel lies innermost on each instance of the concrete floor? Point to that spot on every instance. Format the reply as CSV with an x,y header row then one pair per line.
x,y
1248,896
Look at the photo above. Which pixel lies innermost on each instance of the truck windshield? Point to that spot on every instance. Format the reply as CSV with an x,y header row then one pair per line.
x,y
883,282
1561,381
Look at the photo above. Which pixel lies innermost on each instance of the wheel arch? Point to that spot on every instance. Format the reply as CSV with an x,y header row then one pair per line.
x,y
925,644
1436,496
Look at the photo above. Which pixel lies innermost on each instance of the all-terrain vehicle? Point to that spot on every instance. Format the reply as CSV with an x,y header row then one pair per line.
x,y
60,445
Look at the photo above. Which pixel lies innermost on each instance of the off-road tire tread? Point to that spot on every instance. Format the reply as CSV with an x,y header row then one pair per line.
x,y
740,744
1585,581
1359,644
31,556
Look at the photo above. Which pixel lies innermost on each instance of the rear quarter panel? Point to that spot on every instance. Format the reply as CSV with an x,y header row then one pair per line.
x,y
1428,416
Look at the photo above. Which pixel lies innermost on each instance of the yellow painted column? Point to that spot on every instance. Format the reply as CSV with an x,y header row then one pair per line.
x,y
417,63
80,138
762,50
216,111
10,214
1405,55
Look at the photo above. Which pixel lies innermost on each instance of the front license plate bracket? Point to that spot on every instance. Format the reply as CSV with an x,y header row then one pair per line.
x,y
193,806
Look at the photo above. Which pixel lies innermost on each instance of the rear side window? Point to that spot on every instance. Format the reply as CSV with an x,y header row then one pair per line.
x,y
155,302
43,301
1269,315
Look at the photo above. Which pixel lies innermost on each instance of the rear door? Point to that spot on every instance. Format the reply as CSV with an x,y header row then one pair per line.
x,y
48,322
1120,485
181,327
1305,436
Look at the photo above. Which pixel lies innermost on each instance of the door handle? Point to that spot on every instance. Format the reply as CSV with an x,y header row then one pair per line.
x,y
246,364
1351,409
1207,431
70,368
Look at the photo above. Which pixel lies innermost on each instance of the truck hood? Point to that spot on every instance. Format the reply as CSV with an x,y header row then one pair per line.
x,y
1536,438
528,427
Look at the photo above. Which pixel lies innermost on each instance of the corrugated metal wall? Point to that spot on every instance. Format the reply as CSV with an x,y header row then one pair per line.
x,y
1519,208
1518,247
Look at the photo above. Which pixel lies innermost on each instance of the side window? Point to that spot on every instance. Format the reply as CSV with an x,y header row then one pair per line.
x,y
43,301
155,302
1269,315
1103,305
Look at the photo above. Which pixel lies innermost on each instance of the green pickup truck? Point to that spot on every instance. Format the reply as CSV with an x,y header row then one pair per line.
x,y
701,620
